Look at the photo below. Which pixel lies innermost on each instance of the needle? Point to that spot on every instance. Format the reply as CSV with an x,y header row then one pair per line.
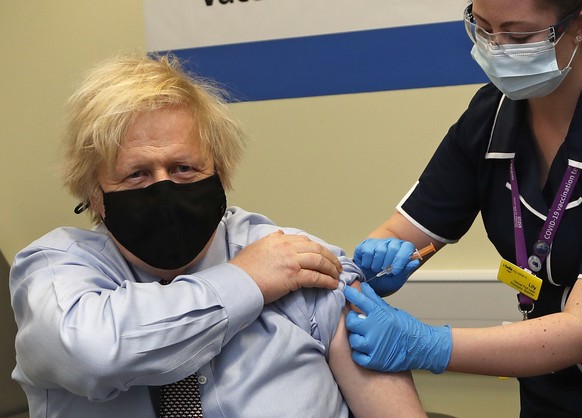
x,y
416,255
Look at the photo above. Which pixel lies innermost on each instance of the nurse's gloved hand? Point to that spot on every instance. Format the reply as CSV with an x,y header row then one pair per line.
x,y
390,340
374,255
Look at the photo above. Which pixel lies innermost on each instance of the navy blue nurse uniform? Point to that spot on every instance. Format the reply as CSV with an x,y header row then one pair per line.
x,y
468,174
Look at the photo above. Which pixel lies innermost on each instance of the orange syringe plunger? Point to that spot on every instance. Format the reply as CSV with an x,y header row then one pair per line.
x,y
418,254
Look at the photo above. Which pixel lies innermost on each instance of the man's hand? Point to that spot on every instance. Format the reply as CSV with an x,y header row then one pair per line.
x,y
281,263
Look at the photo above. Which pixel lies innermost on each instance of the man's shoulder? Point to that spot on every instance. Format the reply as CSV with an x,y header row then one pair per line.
x,y
244,227
238,216
71,243
63,238
65,246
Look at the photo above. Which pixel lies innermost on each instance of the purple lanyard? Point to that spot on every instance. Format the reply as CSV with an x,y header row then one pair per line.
x,y
547,234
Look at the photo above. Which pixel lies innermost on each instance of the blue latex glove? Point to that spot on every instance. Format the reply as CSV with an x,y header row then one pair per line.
x,y
391,340
374,255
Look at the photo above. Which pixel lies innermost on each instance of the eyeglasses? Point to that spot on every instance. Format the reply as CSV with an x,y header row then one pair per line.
x,y
551,34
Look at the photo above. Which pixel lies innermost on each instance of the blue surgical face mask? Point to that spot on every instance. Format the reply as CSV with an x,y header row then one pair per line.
x,y
521,71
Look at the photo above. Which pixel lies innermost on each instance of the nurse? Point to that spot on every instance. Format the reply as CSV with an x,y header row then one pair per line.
x,y
514,156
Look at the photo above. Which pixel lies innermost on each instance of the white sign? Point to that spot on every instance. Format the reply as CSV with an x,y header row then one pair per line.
x,y
179,24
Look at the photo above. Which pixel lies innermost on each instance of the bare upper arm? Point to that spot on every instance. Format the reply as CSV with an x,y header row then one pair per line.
x,y
370,393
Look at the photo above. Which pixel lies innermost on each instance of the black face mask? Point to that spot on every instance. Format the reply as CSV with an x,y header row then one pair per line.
x,y
166,224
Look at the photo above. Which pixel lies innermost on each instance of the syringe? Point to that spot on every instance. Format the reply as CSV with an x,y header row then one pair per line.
x,y
416,255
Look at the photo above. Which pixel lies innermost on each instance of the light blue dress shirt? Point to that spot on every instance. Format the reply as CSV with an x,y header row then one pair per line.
x,y
94,332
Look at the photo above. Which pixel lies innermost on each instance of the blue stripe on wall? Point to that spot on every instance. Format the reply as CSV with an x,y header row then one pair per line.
x,y
406,57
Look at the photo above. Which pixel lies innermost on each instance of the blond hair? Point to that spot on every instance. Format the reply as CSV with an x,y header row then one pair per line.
x,y
115,92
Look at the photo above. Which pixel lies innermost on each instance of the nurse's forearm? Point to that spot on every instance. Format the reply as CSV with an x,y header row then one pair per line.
x,y
397,226
528,348
390,228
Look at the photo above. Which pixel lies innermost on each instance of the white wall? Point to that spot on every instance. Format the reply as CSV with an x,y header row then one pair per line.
x,y
474,298
337,166
46,45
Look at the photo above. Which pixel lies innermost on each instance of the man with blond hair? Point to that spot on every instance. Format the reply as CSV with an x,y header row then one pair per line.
x,y
172,283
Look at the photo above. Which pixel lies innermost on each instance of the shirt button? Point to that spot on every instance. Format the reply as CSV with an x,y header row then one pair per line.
x,y
202,380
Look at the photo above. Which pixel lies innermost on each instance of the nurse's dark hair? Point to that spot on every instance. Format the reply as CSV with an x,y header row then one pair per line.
x,y
562,7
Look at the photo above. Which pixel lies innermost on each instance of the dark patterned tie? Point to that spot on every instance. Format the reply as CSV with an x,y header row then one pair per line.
x,y
181,399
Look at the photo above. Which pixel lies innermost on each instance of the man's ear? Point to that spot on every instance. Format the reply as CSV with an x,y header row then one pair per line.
x,y
96,201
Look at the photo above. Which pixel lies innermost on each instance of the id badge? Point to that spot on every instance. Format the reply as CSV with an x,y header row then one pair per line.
x,y
519,279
